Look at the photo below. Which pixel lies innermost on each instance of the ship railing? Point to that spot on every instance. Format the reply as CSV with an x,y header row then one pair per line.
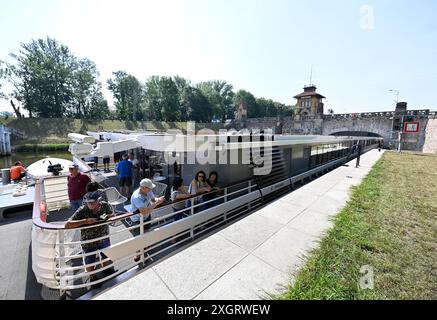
x,y
57,255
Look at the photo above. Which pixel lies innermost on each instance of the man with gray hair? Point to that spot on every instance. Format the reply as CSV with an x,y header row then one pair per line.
x,y
143,201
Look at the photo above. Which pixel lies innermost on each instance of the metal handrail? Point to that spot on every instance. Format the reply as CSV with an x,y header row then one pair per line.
x,y
37,221
62,272
157,219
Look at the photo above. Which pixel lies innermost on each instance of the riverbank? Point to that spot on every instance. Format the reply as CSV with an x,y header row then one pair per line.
x,y
388,225
41,147
55,131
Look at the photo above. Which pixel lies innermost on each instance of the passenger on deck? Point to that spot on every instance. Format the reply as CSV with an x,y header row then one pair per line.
x,y
135,169
106,160
95,187
178,193
94,211
124,171
143,201
212,182
199,186
18,172
76,183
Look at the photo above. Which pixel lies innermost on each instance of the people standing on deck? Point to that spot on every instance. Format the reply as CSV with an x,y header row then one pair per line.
x,y
18,172
124,171
95,187
106,160
94,211
198,186
178,193
143,202
135,169
76,184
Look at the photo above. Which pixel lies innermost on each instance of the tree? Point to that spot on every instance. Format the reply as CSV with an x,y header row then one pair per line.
x,y
162,98
87,96
220,95
185,96
152,99
128,93
267,107
168,94
49,81
2,77
245,98
200,109
288,111
43,76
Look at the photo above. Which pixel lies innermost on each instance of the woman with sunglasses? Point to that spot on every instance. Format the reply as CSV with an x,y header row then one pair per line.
x,y
199,186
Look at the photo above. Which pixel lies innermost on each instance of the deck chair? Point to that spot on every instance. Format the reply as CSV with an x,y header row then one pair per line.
x,y
114,198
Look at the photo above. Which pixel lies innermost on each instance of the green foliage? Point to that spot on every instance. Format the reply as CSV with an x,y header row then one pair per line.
x,y
175,99
2,77
267,107
128,93
88,101
220,96
41,147
49,81
248,100
288,111
162,99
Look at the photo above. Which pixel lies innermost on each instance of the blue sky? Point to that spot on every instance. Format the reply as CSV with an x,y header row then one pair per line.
x,y
264,46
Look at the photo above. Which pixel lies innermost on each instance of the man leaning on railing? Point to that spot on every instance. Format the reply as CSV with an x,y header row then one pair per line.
x,y
92,212
143,202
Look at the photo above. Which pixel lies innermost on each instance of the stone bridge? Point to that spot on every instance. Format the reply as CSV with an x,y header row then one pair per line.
x,y
386,124
380,124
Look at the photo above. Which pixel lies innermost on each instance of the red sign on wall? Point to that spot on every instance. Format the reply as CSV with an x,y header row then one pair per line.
x,y
411,127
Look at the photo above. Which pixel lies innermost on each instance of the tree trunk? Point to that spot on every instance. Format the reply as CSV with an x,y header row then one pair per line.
x,y
16,110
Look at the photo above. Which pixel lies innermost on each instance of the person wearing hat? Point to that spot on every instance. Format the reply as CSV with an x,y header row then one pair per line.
x,y
143,201
76,183
93,211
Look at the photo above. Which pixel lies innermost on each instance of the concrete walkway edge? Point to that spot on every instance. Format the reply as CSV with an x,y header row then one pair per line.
x,y
257,255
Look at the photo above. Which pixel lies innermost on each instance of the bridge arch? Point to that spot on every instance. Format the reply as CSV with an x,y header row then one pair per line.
x,y
361,126
357,134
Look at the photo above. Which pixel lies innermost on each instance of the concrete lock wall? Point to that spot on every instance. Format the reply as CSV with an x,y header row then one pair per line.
x,y
430,145
377,125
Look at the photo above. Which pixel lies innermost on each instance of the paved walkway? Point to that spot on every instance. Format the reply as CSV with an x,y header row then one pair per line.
x,y
257,254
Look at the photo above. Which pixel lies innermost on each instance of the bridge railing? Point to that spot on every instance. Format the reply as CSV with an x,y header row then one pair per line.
x,y
425,113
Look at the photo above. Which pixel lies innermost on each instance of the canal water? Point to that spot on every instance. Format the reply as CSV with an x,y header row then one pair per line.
x,y
27,158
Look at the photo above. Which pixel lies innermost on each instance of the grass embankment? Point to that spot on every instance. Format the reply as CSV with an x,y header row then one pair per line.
x,y
55,131
41,147
389,224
